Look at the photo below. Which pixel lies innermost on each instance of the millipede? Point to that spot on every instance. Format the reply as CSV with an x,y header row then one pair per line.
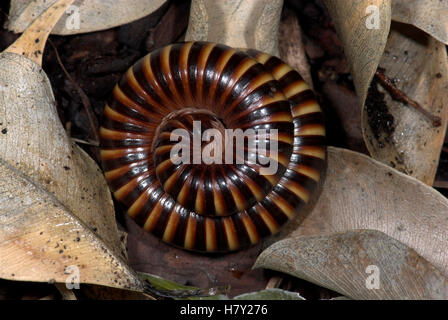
x,y
211,207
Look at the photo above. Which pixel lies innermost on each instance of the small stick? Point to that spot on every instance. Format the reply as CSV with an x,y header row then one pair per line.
x,y
66,293
440,184
31,43
400,96
274,282
84,98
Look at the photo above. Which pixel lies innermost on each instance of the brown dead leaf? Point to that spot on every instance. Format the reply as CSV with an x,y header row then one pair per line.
x,y
363,46
68,199
410,143
427,15
291,47
236,23
359,192
360,264
94,15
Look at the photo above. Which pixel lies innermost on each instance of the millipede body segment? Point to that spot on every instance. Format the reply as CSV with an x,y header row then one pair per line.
x,y
185,89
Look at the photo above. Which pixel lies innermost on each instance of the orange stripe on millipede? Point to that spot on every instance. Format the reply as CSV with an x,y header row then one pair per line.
x,y
201,63
183,67
171,225
120,135
282,204
138,204
116,173
190,233
254,85
309,106
231,235
119,153
239,71
313,151
133,83
150,77
314,129
268,220
220,65
210,235
119,96
305,170
154,215
250,228
166,69
130,186
119,117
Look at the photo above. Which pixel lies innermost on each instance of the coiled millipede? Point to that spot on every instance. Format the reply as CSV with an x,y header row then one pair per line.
x,y
211,207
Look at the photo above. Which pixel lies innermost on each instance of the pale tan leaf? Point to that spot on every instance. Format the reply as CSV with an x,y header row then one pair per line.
x,y
363,44
94,15
291,47
32,43
428,15
237,23
410,142
35,147
360,264
40,240
359,192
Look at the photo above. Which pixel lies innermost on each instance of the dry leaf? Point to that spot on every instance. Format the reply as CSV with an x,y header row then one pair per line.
x,y
409,142
291,47
94,15
360,264
236,23
428,15
40,240
359,192
51,226
363,40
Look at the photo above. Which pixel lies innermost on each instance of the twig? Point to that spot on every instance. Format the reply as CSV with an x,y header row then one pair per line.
x,y
440,184
399,95
66,293
274,282
88,142
84,98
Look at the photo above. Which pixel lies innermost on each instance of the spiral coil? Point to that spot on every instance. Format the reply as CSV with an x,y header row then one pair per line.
x,y
212,206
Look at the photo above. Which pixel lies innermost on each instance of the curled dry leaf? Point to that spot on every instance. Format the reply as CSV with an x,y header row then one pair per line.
x,y
397,134
363,27
359,192
291,47
427,15
237,23
67,216
92,15
361,264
